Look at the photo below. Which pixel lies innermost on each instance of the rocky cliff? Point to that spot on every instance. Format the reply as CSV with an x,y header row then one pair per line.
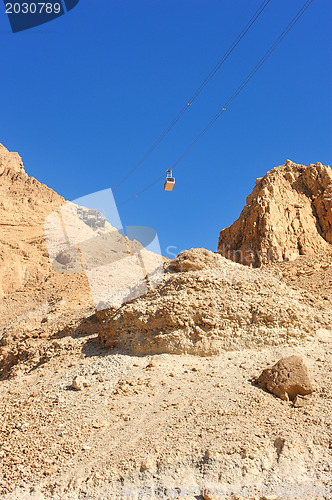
x,y
289,213
24,204
30,289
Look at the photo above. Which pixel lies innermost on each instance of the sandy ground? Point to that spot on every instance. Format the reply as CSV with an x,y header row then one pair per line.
x,y
183,421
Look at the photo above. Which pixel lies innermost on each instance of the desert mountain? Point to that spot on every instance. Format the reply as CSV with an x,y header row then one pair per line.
x,y
166,391
57,261
289,213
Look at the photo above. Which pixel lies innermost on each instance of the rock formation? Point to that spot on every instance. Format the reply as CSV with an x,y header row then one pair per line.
x,y
207,304
24,204
30,290
289,213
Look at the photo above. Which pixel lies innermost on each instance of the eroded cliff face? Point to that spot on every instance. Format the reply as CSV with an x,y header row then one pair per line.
x,y
24,204
289,213
33,296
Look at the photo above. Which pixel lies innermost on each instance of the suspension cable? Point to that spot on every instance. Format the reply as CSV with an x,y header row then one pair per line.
x,y
232,98
197,92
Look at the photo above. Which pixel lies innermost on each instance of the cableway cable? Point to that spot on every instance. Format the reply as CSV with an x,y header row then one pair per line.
x,y
232,98
198,91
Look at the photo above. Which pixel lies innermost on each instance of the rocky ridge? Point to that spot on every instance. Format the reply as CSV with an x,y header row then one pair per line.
x,y
25,203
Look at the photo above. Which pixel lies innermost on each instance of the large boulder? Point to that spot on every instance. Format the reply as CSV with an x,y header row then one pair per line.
x,y
287,379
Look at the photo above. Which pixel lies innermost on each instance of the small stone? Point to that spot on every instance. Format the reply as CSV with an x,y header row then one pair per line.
x,y
152,364
279,444
97,425
208,495
79,383
146,465
301,401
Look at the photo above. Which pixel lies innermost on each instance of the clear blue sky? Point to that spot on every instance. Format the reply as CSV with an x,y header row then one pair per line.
x,y
84,96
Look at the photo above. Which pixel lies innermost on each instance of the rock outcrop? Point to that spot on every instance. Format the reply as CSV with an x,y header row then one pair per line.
x,y
31,291
289,213
207,304
24,204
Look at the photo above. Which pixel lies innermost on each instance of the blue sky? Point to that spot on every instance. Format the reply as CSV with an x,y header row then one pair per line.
x,y
84,97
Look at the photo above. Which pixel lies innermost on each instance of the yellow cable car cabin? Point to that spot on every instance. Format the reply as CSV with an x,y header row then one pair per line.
x,y
169,181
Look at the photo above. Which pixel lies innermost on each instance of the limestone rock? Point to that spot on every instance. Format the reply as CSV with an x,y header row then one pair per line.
x,y
289,213
147,464
10,162
301,401
287,378
24,203
195,259
222,306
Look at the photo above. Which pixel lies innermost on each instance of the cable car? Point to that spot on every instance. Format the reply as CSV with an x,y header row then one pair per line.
x,y
169,181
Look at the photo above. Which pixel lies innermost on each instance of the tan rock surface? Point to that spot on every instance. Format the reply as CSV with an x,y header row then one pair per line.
x,y
25,203
92,443
289,213
287,378
206,304
34,299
